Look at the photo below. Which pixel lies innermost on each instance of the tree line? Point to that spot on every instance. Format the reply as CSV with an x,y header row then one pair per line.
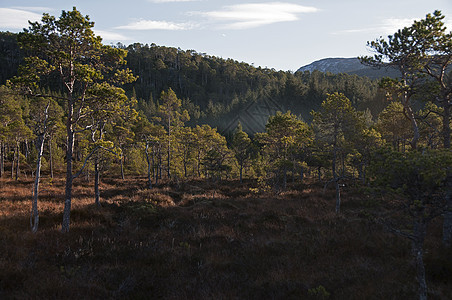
x,y
214,89
91,125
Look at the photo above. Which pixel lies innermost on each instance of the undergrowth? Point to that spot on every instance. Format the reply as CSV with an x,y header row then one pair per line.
x,y
204,240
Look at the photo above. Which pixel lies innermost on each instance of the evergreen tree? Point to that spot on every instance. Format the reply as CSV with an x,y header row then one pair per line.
x,y
241,144
283,131
335,124
69,48
172,118
417,179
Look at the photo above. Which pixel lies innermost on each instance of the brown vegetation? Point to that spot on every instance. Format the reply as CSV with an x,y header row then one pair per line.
x,y
204,240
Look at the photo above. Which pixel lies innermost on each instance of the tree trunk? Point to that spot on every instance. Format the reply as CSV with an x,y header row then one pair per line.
x,y
26,149
410,115
361,175
198,164
159,167
18,162
149,166
34,218
69,176
338,196
122,168
241,172
336,181
154,166
2,161
13,163
96,180
319,173
169,148
447,223
418,249
285,178
446,123
301,174
50,157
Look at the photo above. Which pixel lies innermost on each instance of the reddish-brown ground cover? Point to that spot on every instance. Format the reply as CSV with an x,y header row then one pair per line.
x,y
204,240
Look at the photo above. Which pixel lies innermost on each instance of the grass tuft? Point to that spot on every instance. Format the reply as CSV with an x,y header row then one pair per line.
x,y
204,240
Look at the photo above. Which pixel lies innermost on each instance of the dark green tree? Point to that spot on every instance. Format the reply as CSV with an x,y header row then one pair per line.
x,y
172,118
108,105
417,180
397,52
334,125
241,146
284,134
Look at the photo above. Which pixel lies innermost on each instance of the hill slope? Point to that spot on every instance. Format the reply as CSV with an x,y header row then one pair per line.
x,y
216,91
349,66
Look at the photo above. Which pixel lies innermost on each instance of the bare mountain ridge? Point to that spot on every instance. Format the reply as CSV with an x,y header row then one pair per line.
x,y
349,66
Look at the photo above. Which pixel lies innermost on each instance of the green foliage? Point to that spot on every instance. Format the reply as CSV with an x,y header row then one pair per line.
x,y
195,87
419,175
285,136
423,53
220,89
12,123
336,125
241,146
319,292
337,118
394,126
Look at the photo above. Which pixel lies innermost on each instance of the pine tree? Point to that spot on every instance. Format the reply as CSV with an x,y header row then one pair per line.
x,y
334,124
69,48
241,144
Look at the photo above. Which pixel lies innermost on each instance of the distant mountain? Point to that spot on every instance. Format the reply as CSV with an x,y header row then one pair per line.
x,y
349,66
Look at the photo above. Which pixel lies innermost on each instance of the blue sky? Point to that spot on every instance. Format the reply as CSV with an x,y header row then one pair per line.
x,y
283,35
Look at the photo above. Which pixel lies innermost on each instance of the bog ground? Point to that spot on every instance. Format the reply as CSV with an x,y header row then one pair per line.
x,y
205,240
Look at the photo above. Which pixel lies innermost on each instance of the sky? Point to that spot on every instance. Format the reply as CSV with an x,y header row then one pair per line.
x,y
282,35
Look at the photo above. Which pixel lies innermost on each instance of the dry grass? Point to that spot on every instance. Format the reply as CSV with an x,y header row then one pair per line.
x,y
204,240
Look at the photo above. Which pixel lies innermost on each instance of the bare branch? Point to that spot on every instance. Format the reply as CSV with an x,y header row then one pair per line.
x,y
89,156
396,231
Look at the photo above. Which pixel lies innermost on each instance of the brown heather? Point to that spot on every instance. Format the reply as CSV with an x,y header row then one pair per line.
x,y
200,240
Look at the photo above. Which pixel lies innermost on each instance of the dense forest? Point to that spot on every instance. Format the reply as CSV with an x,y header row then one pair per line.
x,y
76,108
215,90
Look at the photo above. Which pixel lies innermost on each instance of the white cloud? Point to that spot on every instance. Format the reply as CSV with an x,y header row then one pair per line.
x,y
168,1
11,18
251,15
156,25
390,26
111,36
384,28
37,9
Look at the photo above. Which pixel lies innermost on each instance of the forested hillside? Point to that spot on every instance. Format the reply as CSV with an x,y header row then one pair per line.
x,y
224,88
215,90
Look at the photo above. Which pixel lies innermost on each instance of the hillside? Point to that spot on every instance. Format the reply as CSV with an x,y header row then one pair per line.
x,y
349,66
220,92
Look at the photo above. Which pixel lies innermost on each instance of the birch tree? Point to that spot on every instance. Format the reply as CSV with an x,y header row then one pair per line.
x,y
45,117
